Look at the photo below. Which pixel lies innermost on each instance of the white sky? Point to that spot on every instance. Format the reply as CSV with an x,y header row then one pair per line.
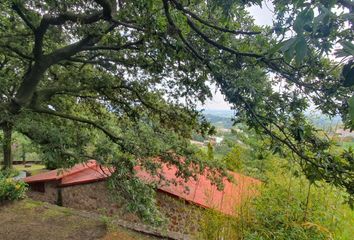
x,y
262,16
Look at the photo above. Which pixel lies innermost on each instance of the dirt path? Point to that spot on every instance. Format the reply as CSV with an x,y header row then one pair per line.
x,y
30,220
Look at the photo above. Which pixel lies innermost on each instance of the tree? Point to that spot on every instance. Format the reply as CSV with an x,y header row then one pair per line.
x,y
125,76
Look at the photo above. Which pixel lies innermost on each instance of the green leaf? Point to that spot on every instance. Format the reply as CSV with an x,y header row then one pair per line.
x,y
321,19
276,48
347,50
348,47
305,17
309,15
289,55
301,50
299,24
290,43
288,48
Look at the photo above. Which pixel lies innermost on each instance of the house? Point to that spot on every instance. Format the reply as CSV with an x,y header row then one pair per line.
x,y
84,187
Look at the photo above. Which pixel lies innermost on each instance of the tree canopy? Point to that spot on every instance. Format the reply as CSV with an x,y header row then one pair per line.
x,y
120,80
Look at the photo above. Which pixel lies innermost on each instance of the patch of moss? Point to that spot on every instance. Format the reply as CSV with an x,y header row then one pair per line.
x,y
67,211
53,213
30,204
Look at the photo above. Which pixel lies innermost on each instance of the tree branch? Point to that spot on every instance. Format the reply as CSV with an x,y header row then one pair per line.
x,y
140,98
47,93
109,7
128,45
76,18
68,16
16,51
220,46
128,25
111,135
179,6
70,50
184,40
17,9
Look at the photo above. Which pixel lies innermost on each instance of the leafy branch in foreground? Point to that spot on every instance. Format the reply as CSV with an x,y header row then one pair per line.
x,y
75,74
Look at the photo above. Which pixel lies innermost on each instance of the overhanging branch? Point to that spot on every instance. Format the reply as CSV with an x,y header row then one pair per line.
x,y
217,45
17,51
129,45
107,132
184,40
17,9
109,7
179,6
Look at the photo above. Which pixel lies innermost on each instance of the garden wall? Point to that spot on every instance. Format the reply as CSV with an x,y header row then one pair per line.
x,y
49,194
182,217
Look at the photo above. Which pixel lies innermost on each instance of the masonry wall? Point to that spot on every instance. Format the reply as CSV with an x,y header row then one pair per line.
x,y
50,193
182,216
91,196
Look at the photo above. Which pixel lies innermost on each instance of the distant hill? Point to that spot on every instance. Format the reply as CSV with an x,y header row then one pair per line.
x,y
220,113
223,119
324,122
219,118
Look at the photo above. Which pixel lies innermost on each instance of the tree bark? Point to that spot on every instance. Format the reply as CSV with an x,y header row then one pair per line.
x,y
7,130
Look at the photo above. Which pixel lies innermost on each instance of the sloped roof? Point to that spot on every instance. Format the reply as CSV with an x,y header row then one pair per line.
x,y
200,192
60,174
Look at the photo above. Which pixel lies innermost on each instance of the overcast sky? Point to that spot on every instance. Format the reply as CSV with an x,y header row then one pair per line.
x,y
262,16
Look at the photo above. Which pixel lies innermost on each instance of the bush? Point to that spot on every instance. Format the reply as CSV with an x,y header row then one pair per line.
x,y
285,209
10,189
9,173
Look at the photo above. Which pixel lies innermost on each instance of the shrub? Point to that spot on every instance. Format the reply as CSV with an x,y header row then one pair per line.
x,y
287,208
10,189
9,173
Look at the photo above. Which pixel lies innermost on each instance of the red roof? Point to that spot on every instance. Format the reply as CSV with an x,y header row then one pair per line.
x,y
200,192
61,174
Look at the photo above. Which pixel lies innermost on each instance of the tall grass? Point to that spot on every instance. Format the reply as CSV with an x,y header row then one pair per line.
x,y
288,208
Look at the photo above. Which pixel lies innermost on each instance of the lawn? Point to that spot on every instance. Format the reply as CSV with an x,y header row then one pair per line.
x,y
346,145
34,169
32,220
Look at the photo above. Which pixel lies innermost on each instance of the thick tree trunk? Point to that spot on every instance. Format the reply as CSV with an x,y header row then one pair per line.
x,y
7,130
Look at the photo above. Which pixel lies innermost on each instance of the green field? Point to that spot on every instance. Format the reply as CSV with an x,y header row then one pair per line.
x,y
34,169
346,145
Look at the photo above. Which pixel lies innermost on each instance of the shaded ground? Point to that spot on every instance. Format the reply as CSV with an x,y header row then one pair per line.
x,y
31,220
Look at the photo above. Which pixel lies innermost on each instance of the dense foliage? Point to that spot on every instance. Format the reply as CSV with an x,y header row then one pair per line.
x,y
287,207
282,212
119,81
10,189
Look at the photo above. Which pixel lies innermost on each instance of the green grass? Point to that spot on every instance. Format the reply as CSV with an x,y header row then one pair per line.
x,y
34,169
346,145
32,220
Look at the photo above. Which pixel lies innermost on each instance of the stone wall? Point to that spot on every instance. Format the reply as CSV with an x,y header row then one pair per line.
x,y
50,193
182,217
92,196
